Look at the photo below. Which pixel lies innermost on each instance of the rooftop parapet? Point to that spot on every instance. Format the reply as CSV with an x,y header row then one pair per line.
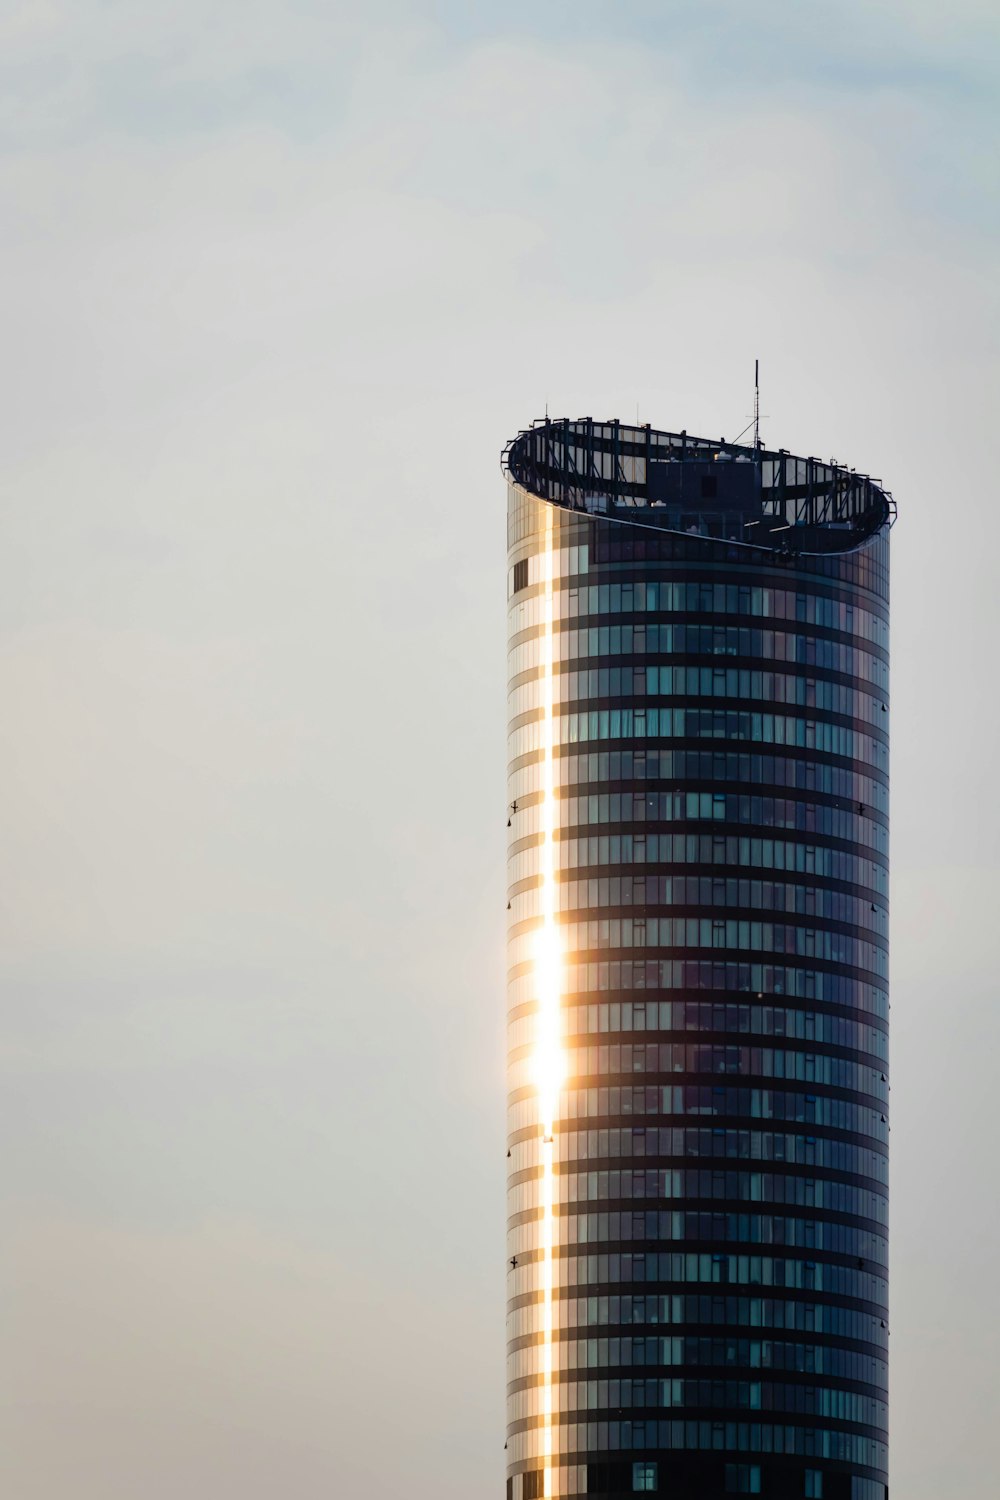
x,y
672,482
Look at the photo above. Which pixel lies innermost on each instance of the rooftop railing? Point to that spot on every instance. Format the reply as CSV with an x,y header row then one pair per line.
x,y
748,496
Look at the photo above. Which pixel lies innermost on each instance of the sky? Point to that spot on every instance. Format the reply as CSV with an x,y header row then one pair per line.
x,y
277,283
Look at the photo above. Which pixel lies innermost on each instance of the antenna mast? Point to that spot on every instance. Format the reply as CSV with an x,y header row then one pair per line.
x,y
756,403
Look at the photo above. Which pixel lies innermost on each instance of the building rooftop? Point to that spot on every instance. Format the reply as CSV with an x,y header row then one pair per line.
x,y
744,495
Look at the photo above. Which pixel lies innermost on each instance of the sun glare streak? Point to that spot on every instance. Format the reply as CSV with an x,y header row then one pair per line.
x,y
549,1063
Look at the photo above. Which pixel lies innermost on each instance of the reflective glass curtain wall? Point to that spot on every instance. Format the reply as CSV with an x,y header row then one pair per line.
x,y
698,788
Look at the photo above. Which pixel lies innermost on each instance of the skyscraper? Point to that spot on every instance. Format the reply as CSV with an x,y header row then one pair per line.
x,y
698,999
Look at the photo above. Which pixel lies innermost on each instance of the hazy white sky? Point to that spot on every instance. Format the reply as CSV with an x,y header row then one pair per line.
x,y
277,281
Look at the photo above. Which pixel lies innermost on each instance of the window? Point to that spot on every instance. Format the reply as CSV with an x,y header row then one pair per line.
x,y
604,1476
644,1477
814,1484
742,1479
521,575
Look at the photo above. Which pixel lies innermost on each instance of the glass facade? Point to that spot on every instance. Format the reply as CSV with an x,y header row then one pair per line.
x,y
698,790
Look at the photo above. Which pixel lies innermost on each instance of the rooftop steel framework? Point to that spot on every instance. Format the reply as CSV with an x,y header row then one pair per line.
x,y
746,496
